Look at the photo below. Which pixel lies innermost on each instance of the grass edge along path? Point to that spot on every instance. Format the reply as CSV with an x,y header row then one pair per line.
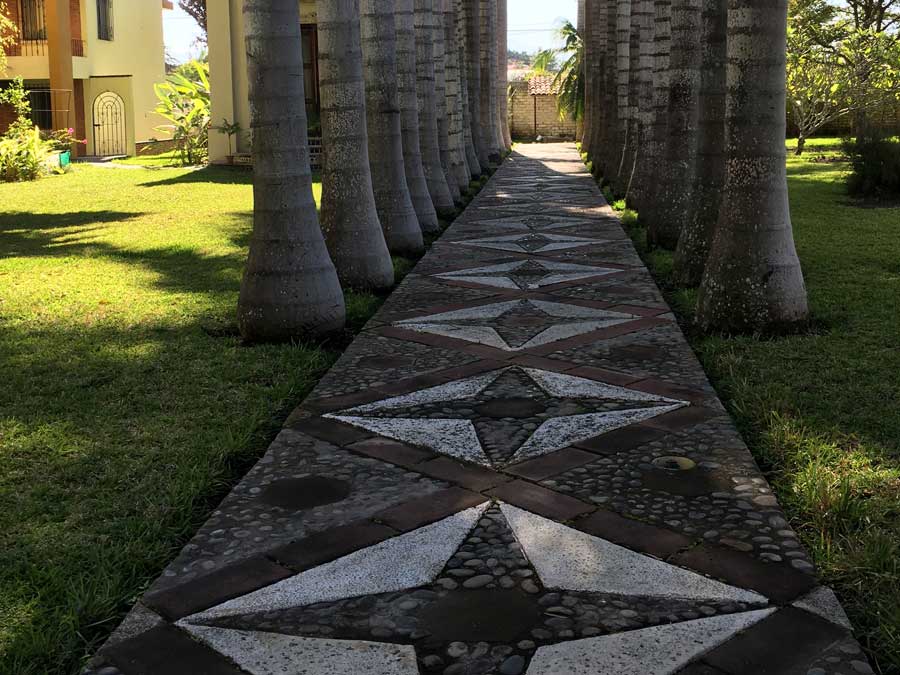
x,y
128,407
819,410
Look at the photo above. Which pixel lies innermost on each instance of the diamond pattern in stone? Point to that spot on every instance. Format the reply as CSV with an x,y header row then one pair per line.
x,y
531,223
517,324
534,243
507,415
527,274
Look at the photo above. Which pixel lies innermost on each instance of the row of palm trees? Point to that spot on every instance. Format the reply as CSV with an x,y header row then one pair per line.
x,y
413,97
685,117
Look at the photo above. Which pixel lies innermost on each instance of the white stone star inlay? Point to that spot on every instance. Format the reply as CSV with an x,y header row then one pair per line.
x,y
527,274
428,417
517,324
563,559
533,243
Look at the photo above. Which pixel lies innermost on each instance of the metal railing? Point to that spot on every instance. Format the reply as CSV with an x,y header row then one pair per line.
x,y
30,38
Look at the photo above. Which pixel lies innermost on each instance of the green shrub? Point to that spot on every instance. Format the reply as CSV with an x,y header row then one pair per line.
x,y
184,102
876,167
24,154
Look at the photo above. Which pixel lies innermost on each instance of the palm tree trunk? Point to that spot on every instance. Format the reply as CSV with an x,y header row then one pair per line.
x,y
651,206
753,279
502,75
409,115
602,140
290,289
623,73
462,39
611,133
458,166
680,161
473,70
641,177
488,65
587,11
440,97
697,236
392,200
634,64
581,27
349,216
428,123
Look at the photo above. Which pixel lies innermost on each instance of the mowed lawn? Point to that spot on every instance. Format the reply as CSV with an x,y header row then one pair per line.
x,y
127,404
821,410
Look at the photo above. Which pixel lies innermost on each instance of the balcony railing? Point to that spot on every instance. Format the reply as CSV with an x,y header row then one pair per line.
x,y
31,32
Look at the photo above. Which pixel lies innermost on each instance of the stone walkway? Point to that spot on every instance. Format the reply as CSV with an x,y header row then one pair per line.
x,y
518,467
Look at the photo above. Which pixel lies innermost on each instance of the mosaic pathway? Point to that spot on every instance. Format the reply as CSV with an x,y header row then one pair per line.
x,y
518,467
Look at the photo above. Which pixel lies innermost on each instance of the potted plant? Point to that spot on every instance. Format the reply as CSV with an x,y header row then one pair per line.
x,y
230,129
60,142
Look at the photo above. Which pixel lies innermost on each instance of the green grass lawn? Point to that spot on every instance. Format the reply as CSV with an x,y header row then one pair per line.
x,y
821,411
127,407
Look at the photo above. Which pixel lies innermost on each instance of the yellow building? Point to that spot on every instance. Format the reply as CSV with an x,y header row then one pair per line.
x,y
228,72
90,65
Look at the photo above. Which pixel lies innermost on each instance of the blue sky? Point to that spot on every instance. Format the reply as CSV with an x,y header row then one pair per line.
x,y
531,26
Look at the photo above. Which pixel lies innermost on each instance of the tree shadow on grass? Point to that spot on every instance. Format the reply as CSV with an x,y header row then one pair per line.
x,y
222,175
122,439
51,234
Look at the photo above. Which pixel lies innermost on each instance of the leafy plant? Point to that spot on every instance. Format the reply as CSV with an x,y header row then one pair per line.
x,y
184,102
62,140
24,154
230,129
569,81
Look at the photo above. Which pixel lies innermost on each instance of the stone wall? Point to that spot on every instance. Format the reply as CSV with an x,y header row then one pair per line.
x,y
532,116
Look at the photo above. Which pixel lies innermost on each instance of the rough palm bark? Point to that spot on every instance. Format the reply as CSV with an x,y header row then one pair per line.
x,y
472,12
602,19
753,279
586,12
349,216
440,97
290,289
458,166
623,74
396,212
634,64
679,164
488,67
409,116
651,206
471,154
611,133
502,74
641,176
428,123
581,26
697,235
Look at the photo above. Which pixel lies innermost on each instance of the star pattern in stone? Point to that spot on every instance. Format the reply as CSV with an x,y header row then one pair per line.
x,y
532,223
543,573
533,242
517,324
539,195
527,274
507,415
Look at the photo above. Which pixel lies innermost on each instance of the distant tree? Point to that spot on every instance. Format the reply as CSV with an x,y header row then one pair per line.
x,y
197,9
524,57
842,59
7,35
569,81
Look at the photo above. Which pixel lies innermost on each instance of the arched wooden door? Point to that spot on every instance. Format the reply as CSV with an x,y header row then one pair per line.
x,y
109,125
